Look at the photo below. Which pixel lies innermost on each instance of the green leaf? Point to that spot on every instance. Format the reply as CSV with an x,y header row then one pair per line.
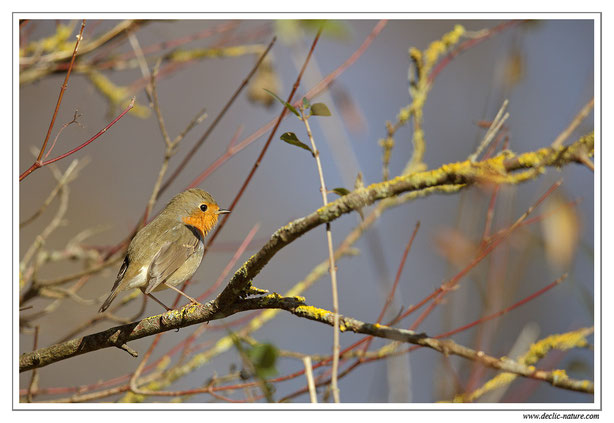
x,y
286,105
306,103
341,191
320,109
291,138
264,359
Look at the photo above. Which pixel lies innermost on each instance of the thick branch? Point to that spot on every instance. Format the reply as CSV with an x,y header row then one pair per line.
x,y
175,319
194,314
499,169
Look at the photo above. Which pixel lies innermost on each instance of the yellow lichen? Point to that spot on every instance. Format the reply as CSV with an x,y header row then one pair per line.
x,y
60,41
562,341
559,374
117,95
201,53
314,312
536,351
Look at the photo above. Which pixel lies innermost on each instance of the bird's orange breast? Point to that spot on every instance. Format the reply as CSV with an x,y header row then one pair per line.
x,y
201,221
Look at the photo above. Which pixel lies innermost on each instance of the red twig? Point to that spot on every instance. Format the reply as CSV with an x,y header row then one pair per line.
x,y
399,271
500,237
476,322
367,341
230,151
396,282
62,90
74,120
39,164
322,85
505,310
222,398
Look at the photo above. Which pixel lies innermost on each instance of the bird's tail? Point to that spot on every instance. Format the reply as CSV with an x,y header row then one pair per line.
x,y
108,301
115,290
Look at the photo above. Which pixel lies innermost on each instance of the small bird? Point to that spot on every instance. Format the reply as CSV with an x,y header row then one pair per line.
x,y
167,251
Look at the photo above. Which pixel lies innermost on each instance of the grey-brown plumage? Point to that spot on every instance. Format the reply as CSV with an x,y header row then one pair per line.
x,y
170,248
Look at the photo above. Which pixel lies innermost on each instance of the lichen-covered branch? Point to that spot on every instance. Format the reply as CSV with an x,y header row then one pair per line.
x,y
194,314
447,347
561,342
500,169
175,319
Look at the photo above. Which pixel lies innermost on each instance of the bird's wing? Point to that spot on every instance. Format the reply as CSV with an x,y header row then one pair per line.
x,y
171,255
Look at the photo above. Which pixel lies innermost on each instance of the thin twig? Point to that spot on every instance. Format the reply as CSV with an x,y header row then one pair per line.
x,y
133,380
66,177
140,57
62,90
170,145
39,164
265,147
500,237
496,124
42,237
331,259
217,119
75,118
232,262
386,351
309,375
470,43
396,281
560,139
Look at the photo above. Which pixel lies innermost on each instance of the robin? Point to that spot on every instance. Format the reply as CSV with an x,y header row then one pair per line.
x,y
168,250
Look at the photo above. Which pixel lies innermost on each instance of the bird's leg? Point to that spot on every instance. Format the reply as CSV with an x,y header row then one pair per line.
x,y
159,302
192,300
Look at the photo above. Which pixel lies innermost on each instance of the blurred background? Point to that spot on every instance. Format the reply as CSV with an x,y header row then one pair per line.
x,y
544,68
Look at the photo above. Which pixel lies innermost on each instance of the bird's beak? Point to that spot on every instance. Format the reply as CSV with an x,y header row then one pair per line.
x,y
222,211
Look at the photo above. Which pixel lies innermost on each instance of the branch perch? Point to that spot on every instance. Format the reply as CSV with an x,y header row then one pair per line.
x,y
194,314
498,169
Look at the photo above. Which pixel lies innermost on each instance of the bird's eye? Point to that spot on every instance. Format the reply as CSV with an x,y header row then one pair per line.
x,y
203,207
